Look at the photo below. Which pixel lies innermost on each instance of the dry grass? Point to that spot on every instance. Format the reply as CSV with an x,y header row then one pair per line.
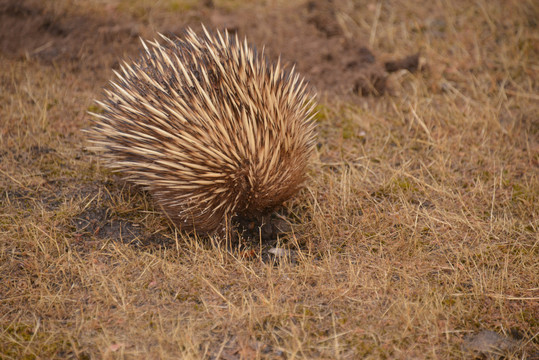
x,y
418,224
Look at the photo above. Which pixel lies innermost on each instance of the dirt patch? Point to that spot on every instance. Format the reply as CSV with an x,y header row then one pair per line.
x,y
308,36
311,37
100,219
97,222
29,30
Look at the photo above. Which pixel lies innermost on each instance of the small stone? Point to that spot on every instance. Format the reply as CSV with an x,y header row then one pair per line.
x,y
489,344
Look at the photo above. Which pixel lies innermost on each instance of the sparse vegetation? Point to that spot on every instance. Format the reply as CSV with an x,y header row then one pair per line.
x,y
417,228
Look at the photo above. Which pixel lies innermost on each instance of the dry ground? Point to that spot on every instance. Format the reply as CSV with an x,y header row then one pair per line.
x,y
416,233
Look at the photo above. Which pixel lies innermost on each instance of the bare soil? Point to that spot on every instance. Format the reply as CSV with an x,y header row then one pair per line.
x,y
306,35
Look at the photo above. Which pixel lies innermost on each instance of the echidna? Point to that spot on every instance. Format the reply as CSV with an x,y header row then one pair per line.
x,y
209,127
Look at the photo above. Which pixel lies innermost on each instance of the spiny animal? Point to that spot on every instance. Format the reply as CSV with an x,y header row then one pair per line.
x,y
209,127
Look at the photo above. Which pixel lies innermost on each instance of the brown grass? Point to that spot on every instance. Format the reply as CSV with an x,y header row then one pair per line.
x,y
418,225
